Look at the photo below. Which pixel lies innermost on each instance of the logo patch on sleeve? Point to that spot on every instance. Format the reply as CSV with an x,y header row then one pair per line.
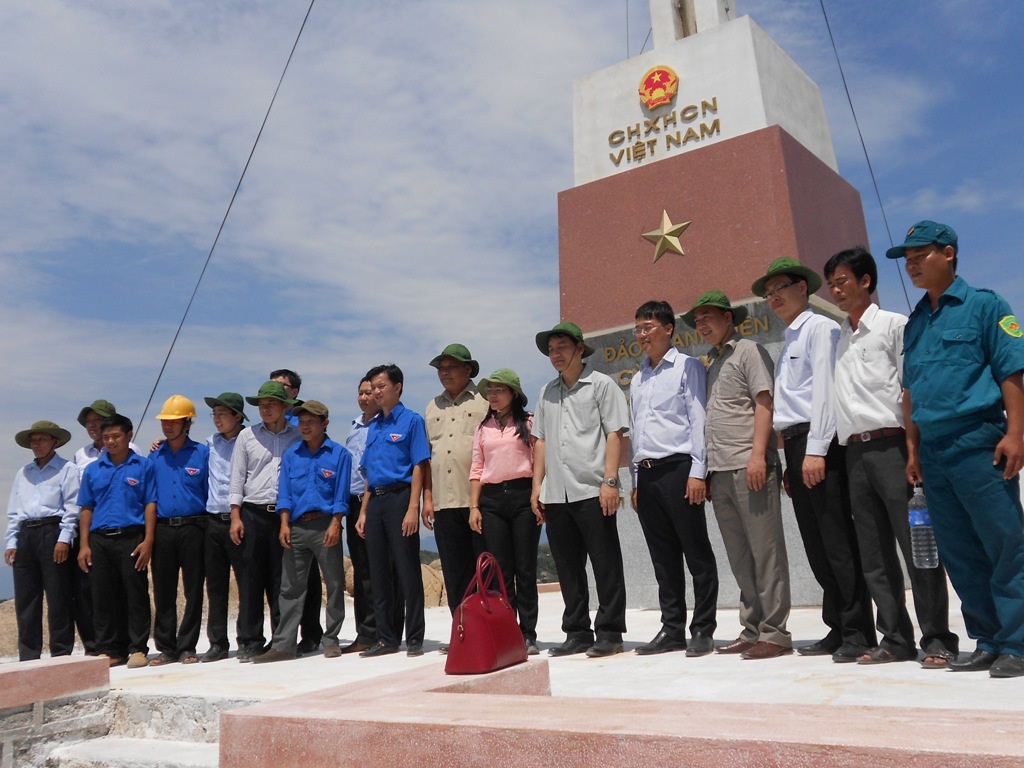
x,y
1011,326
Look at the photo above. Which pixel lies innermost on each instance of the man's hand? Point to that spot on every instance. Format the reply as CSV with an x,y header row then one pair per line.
x,y
1011,448
237,529
333,533
757,473
156,445
428,516
60,552
914,471
9,556
814,470
632,499
411,521
285,535
142,554
361,526
609,500
85,557
696,490
537,506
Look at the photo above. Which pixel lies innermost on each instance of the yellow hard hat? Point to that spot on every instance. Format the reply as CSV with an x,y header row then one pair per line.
x,y
177,407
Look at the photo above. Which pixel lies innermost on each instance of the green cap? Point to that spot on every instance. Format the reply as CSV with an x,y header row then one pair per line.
x,y
274,389
788,266
103,408
230,400
314,407
460,353
715,299
505,376
24,437
925,233
564,329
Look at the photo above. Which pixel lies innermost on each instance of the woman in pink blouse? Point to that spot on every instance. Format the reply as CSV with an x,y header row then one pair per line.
x,y
501,479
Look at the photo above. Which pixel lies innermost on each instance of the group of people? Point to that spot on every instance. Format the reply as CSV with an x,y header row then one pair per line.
x,y
863,411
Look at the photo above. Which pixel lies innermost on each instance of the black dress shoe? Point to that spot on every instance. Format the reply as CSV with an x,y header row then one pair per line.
x,y
356,646
824,647
604,648
1007,666
307,646
570,647
663,642
699,645
216,653
849,653
414,649
378,649
978,661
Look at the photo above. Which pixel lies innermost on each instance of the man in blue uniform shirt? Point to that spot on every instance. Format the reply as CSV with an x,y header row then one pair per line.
x,y
395,461
181,470
42,516
117,526
312,498
964,406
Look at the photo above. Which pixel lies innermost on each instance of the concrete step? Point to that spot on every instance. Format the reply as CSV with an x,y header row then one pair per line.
x,y
112,752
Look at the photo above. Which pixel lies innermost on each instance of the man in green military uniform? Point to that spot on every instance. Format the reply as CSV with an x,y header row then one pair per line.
x,y
964,407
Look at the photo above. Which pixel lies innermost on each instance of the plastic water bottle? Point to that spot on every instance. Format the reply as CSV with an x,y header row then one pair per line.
x,y
922,536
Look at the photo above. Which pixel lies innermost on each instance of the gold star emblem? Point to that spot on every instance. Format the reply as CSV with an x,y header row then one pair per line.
x,y
667,238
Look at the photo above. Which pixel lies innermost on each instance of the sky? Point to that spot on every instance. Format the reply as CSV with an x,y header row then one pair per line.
x,y
403,193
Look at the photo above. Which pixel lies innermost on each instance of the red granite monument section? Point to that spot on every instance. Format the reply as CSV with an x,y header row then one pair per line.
x,y
751,199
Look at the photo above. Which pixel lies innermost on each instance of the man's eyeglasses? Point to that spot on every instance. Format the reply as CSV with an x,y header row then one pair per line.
x,y
775,292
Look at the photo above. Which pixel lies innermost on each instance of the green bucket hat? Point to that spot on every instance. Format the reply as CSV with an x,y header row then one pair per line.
x,y
505,376
715,299
314,407
460,353
24,437
925,233
230,400
788,266
564,329
104,408
274,389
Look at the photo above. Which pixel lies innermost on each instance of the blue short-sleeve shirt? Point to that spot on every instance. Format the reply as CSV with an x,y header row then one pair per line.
x,y
311,482
182,479
956,358
118,494
394,445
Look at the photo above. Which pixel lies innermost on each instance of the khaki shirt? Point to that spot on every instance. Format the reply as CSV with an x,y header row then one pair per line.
x,y
451,426
739,372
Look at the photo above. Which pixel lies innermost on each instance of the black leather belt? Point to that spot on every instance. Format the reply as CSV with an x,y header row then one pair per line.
x,y
673,459
127,530
270,508
876,434
795,431
38,521
177,522
356,502
515,484
380,490
221,517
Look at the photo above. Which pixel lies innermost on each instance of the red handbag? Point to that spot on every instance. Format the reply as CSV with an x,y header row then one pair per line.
x,y
485,633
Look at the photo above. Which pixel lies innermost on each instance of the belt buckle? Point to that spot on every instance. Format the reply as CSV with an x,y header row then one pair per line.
x,y
645,463
865,437
175,522
378,491
271,508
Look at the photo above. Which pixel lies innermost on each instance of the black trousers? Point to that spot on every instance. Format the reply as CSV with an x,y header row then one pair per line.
x,y
36,574
459,546
577,530
879,492
120,595
362,584
384,540
677,530
826,528
178,549
261,575
511,534
220,556
81,599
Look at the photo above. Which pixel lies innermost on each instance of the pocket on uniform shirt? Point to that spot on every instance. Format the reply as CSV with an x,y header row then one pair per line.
x,y
961,345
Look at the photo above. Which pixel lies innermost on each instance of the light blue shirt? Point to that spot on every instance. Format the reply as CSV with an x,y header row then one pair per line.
x,y
668,409
47,491
220,473
356,444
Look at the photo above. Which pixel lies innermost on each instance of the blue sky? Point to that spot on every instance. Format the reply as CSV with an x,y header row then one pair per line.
x,y
404,192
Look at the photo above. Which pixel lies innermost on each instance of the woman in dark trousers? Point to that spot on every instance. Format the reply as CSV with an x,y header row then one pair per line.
x,y
501,479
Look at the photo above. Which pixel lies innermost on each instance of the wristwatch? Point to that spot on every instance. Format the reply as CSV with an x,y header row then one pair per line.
x,y
611,482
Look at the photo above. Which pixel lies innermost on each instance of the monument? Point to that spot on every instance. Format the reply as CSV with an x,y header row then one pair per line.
x,y
695,165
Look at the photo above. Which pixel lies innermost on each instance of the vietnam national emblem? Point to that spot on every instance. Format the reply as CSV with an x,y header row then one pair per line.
x,y
658,87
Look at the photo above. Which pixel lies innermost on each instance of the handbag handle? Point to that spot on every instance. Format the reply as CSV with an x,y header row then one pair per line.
x,y
486,569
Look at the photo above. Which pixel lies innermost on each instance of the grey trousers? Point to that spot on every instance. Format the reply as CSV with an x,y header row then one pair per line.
x,y
307,545
751,525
